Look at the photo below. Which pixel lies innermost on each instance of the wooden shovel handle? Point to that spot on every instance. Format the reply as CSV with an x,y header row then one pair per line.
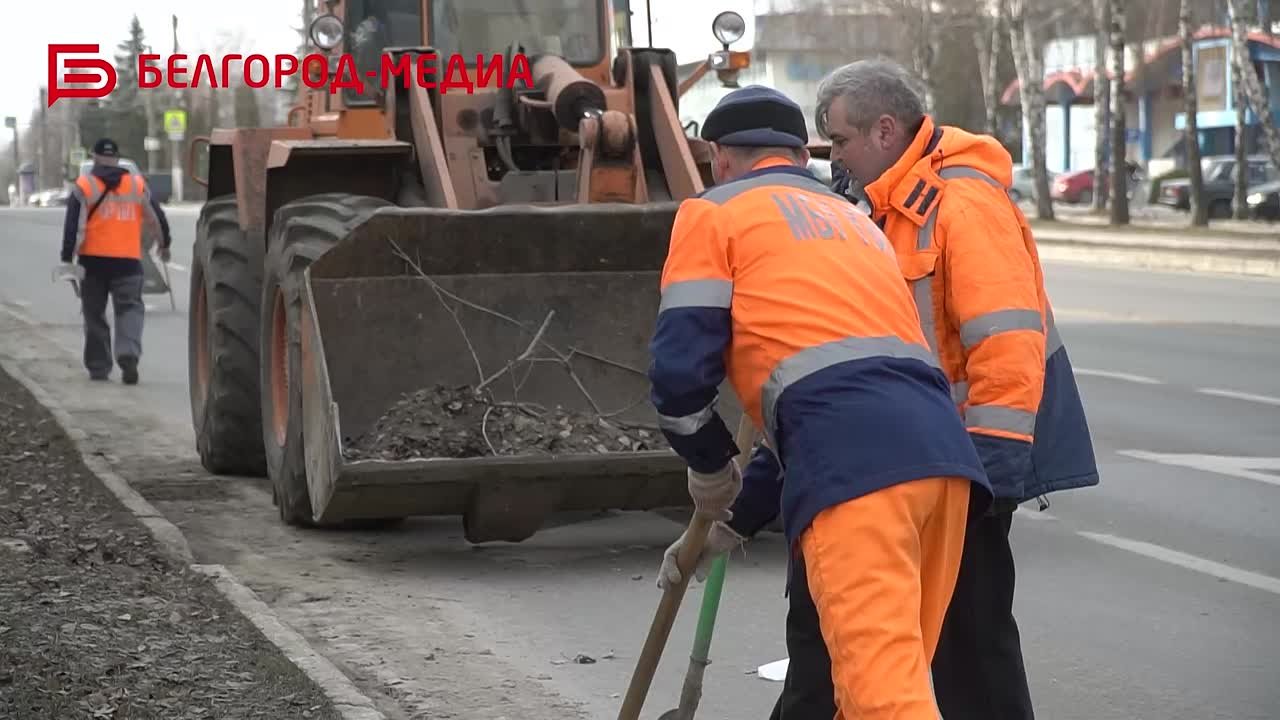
x,y
665,617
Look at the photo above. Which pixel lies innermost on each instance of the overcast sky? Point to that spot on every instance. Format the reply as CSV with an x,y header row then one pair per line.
x,y
262,26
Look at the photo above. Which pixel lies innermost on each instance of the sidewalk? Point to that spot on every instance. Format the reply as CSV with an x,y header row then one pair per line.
x,y
96,621
1160,245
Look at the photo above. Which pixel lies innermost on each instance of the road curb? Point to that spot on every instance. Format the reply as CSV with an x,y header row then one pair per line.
x,y
1152,258
348,701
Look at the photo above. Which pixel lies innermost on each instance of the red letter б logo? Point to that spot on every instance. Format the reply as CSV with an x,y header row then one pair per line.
x,y
56,84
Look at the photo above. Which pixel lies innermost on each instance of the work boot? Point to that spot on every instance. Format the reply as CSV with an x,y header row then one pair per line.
x,y
129,367
100,377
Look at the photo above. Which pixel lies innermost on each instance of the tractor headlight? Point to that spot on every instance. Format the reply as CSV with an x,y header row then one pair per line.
x,y
728,27
326,31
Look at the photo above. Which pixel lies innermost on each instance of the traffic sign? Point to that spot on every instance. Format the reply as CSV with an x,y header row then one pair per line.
x,y
175,124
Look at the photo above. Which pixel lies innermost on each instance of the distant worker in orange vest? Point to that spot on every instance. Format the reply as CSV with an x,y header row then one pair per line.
x,y
106,213
786,289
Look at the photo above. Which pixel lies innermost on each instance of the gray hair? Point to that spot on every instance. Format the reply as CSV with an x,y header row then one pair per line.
x,y
873,87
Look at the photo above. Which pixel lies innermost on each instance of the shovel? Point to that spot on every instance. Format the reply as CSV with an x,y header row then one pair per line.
x,y
691,691
665,617
165,266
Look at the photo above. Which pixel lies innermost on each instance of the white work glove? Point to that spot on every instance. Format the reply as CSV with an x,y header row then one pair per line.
x,y
68,271
721,539
713,493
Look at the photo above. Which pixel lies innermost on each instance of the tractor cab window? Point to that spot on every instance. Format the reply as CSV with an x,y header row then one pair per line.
x,y
568,28
372,26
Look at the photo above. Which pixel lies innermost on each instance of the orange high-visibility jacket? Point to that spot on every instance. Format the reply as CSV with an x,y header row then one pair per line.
x,y
796,297
115,230
969,255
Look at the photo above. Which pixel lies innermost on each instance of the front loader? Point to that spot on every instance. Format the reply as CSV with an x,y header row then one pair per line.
x,y
406,237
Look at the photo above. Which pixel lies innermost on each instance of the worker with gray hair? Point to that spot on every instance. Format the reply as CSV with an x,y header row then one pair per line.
x,y
940,195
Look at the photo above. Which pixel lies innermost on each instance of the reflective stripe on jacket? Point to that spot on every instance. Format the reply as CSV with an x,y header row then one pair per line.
x,y
115,229
796,297
971,260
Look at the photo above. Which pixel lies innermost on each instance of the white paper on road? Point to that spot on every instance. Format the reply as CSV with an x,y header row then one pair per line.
x,y
775,671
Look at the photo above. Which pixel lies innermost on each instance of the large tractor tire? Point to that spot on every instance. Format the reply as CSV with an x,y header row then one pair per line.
x,y
222,342
301,232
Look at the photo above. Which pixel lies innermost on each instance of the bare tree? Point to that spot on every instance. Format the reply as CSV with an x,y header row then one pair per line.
x,y
924,54
1119,167
987,34
1028,59
1252,87
1190,106
1241,191
1101,102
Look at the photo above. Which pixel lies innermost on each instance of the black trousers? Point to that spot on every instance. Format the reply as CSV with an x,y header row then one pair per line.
x,y
978,671
125,293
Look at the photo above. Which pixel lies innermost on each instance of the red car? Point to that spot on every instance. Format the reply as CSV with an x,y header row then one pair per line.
x,y
1076,186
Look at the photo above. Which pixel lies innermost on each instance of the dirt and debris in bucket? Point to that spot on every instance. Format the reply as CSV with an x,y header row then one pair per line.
x,y
458,422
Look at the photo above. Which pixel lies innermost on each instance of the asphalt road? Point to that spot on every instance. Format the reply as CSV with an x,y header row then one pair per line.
x,y
1153,596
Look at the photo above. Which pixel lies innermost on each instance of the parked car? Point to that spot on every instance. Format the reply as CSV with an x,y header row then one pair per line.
x,y
1264,201
1076,186
160,183
1024,183
1219,187
125,163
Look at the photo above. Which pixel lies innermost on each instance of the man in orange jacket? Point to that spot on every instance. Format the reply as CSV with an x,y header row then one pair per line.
x,y
785,288
940,194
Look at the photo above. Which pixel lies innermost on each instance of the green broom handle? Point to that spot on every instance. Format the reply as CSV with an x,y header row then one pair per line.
x,y
710,606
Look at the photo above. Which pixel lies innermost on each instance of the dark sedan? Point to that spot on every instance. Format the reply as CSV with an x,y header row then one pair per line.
x,y
1219,173
1264,201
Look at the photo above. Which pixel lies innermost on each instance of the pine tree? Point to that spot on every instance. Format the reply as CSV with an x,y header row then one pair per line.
x,y
121,116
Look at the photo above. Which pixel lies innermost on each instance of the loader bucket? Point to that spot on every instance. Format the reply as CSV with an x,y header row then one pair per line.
x,y
374,330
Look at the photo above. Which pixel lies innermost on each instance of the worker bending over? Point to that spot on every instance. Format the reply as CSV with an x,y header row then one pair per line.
x,y
104,223
968,253
795,296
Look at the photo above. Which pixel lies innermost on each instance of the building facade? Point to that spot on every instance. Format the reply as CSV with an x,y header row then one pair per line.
x,y
1153,101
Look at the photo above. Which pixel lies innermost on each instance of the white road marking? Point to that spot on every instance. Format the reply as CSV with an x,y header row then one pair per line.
x,y
1237,466
176,266
1190,562
1034,514
20,303
1265,399
1118,376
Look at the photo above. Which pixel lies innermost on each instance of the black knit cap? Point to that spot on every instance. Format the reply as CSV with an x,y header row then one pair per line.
x,y
756,116
106,147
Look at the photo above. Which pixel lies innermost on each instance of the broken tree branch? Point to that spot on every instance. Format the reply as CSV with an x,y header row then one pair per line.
x,y
451,310
565,360
573,351
522,356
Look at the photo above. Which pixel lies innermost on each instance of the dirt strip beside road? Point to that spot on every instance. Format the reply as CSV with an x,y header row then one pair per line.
x,y
96,620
